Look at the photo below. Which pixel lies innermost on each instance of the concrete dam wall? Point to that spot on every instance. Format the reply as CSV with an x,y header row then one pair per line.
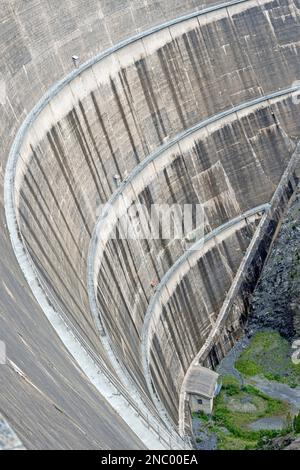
x,y
202,109
178,172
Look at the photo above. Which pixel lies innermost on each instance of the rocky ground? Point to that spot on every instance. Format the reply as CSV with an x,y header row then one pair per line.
x,y
276,300
288,442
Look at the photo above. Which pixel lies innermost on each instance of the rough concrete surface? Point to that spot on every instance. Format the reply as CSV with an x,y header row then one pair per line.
x,y
107,119
8,439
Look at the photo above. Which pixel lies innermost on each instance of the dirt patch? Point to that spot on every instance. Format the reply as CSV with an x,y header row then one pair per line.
x,y
267,423
245,404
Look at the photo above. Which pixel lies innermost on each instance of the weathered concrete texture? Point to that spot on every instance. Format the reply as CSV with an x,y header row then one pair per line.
x,y
103,123
232,315
191,173
8,439
48,400
129,103
37,40
235,309
189,308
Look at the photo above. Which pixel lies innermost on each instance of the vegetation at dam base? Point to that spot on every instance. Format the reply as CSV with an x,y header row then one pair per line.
x,y
237,411
269,354
244,417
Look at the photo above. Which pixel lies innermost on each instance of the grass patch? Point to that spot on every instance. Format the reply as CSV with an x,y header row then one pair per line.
x,y
230,384
248,367
203,416
269,354
236,421
229,442
231,426
296,423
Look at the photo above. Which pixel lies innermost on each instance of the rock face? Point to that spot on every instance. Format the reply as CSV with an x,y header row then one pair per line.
x,y
294,445
288,442
275,303
163,113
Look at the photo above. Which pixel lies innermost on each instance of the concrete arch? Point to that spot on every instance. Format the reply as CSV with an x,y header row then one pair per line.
x,y
68,148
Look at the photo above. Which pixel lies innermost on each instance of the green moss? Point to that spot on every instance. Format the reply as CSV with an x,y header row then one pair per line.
x,y
228,380
230,384
203,416
271,376
248,367
269,354
273,406
232,427
229,442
